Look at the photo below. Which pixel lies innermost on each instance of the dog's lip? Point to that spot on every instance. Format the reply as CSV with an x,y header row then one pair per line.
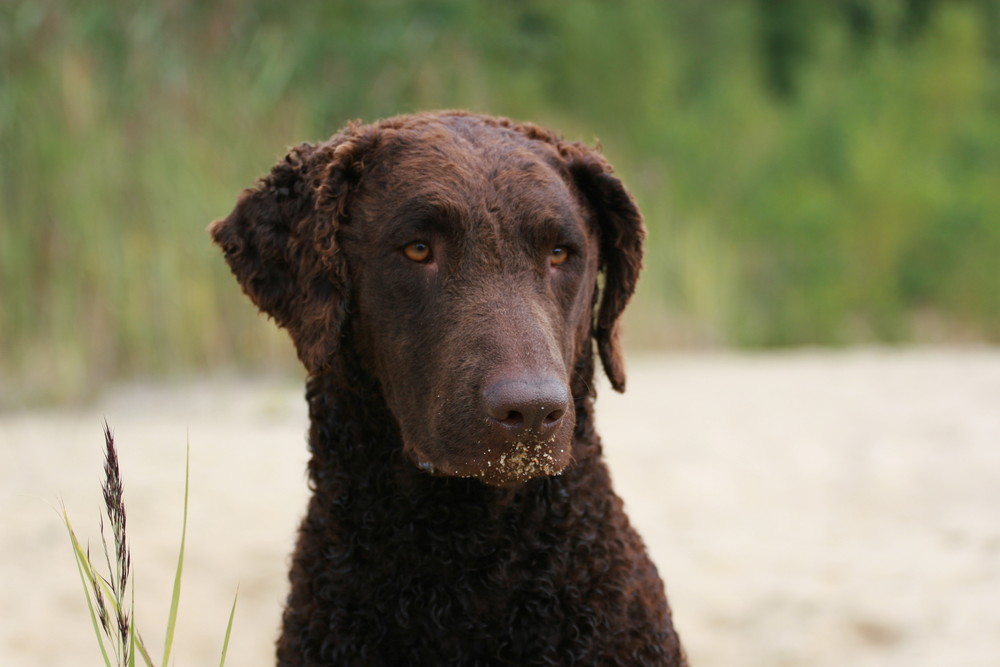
x,y
521,461
422,462
502,464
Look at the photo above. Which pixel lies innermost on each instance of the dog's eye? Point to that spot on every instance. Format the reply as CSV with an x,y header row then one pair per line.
x,y
418,251
559,255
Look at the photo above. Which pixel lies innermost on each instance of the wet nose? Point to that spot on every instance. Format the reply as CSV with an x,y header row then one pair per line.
x,y
527,404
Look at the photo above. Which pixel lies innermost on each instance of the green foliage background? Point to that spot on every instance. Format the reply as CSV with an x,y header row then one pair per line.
x,y
811,173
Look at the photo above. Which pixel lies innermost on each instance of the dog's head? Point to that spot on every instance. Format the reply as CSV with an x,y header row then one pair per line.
x,y
463,252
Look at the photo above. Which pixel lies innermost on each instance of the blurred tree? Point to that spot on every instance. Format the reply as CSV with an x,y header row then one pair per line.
x,y
810,172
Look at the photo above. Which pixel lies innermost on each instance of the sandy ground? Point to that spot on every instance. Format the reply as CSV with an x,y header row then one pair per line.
x,y
808,508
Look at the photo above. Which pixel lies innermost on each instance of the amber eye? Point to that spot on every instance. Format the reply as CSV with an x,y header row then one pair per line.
x,y
559,255
418,251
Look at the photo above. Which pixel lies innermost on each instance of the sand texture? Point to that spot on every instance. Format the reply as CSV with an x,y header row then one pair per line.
x,y
805,508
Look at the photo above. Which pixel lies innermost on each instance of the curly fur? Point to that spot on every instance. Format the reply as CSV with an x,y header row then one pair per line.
x,y
465,566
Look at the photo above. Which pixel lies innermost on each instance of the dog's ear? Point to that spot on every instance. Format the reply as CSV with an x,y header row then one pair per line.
x,y
621,234
280,243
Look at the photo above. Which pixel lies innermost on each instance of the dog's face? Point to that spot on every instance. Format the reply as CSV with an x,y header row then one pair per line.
x,y
473,265
463,252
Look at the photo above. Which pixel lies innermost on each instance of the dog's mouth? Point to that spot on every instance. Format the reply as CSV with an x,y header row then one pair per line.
x,y
522,460
505,464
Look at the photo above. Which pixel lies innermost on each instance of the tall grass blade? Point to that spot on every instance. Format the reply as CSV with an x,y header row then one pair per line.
x,y
141,645
136,645
229,628
176,597
82,562
131,642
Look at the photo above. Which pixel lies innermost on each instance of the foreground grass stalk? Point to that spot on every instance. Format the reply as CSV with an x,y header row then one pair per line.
x,y
229,628
87,579
110,599
176,596
114,506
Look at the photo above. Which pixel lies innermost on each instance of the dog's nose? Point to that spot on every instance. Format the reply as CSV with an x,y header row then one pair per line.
x,y
533,405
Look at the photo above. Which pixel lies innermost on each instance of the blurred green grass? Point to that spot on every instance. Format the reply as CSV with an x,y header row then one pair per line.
x,y
811,173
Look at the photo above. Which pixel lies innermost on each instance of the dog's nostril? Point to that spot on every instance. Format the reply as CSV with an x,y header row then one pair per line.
x,y
514,419
553,418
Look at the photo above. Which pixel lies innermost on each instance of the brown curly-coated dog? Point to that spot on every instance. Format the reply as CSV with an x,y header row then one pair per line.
x,y
438,274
